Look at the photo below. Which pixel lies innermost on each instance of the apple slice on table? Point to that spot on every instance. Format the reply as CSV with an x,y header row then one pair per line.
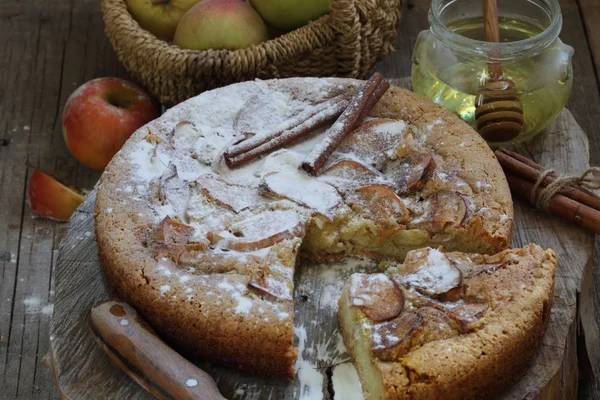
x,y
49,198
101,115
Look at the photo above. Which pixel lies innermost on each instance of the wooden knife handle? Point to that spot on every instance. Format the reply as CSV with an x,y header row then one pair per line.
x,y
132,344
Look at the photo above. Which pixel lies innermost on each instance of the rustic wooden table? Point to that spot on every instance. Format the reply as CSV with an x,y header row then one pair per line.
x,y
48,48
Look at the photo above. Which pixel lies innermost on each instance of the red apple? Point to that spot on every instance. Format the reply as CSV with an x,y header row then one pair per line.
x,y
101,115
49,198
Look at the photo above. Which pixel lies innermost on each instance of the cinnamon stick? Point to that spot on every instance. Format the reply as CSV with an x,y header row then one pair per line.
x,y
529,169
329,109
379,92
262,145
559,205
360,105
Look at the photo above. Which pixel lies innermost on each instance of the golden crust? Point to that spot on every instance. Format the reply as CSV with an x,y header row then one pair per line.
x,y
203,323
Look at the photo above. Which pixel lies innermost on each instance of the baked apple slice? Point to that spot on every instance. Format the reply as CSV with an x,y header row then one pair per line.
x,y
347,175
261,230
221,262
301,189
376,295
430,272
379,203
392,338
233,196
467,315
449,208
273,288
184,135
444,209
163,152
171,238
410,173
174,191
374,142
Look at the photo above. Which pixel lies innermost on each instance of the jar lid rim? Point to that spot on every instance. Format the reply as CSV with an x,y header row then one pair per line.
x,y
497,51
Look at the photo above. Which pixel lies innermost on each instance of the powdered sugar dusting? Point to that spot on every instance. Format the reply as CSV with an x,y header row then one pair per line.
x,y
314,194
346,384
435,274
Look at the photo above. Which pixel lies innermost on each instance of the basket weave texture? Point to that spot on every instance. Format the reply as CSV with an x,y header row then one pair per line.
x,y
347,42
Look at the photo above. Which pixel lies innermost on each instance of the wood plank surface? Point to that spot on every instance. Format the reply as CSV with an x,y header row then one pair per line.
x,y
50,47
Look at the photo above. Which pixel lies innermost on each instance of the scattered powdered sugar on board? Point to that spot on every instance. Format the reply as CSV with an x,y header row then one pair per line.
x,y
32,305
311,380
346,384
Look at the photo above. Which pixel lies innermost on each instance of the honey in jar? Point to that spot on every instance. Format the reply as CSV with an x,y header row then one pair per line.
x,y
450,60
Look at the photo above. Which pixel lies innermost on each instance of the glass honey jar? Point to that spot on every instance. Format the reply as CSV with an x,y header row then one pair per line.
x,y
450,60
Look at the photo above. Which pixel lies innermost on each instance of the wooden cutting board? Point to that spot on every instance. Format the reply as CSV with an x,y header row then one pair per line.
x,y
83,371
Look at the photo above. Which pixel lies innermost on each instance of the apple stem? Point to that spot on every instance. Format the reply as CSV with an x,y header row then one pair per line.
x,y
155,2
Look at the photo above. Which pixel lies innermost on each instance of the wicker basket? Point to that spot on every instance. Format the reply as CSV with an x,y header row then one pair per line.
x,y
347,42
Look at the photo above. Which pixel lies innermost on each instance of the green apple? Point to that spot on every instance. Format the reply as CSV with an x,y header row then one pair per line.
x,y
159,17
290,14
220,24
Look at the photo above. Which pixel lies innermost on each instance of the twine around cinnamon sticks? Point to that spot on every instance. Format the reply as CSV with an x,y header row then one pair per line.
x,y
567,197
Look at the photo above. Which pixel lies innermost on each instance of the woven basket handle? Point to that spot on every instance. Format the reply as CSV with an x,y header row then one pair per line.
x,y
345,22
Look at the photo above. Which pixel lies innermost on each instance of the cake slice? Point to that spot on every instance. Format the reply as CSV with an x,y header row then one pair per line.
x,y
447,325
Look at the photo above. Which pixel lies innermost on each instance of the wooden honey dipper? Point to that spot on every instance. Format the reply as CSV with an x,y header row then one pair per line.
x,y
499,111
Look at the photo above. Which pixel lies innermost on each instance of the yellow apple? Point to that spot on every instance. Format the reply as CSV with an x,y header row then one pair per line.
x,y
220,24
159,17
290,14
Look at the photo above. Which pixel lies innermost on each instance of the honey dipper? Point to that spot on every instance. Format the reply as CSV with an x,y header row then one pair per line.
x,y
499,111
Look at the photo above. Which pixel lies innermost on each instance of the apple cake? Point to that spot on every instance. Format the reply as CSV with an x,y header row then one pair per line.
x,y
447,325
203,238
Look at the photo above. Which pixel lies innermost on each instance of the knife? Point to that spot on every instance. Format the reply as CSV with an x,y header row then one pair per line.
x,y
134,346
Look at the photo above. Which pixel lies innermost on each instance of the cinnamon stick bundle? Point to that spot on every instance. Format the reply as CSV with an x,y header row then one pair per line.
x,y
573,203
